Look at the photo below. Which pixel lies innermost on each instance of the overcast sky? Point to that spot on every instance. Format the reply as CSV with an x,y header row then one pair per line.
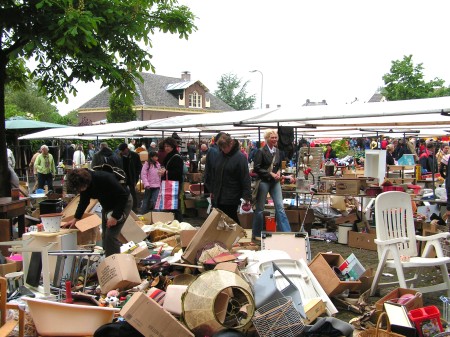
x,y
319,50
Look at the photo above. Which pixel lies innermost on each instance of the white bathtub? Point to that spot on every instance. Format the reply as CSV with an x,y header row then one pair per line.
x,y
62,319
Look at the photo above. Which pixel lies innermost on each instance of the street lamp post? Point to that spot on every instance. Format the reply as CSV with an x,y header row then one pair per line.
x,y
262,84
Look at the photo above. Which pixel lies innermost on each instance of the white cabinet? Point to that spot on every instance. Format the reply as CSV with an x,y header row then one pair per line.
x,y
375,164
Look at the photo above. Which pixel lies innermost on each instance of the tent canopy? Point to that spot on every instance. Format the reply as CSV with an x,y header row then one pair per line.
x,y
22,123
424,116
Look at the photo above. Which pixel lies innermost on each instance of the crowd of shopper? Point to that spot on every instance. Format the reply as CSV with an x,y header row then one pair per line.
x,y
228,167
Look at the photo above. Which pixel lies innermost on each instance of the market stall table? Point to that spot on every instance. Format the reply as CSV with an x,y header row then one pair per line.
x,y
10,209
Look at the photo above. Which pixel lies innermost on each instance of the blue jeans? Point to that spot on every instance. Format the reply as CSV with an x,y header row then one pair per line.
x,y
274,189
149,200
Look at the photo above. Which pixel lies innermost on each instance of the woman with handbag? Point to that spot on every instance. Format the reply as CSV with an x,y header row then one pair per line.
x,y
267,165
151,179
173,170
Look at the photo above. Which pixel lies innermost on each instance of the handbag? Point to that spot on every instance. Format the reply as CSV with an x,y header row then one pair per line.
x,y
266,290
378,332
168,195
257,182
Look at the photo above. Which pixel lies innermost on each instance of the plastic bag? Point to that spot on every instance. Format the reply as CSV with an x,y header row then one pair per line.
x,y
245,207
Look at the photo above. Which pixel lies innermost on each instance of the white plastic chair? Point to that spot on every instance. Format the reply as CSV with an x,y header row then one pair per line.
x,y
396,241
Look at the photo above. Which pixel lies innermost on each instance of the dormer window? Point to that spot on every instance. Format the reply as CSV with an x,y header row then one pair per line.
x,y
195,100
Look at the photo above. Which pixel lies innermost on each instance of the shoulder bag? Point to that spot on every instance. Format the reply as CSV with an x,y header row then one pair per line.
x,y
168,194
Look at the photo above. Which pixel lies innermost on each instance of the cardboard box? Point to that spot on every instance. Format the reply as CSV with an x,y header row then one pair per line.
x,y
189,203
362,240
118,271
194,177
131,231
9,267
162,217
186,237
246,220
88,226
230,266
414,303
89,237
293,216
348,186
150,319
202,213
366,280
217,227
321,266
313,309
143,156
141,252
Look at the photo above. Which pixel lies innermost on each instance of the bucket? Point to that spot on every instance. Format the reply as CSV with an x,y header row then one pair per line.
x,y
52,222
271,224
50,206
343,232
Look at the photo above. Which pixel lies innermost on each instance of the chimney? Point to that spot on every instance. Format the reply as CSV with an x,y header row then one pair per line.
x,y
186,76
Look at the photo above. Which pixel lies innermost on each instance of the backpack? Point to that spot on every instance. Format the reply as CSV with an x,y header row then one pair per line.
x,y
120,174
112,160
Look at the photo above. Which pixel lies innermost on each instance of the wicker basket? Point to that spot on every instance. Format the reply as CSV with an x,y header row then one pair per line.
x,y
377,331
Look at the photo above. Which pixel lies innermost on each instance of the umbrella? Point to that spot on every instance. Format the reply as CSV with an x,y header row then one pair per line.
x,y
21,123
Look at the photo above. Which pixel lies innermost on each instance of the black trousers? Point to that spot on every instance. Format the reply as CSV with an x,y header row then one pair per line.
x,y
230,210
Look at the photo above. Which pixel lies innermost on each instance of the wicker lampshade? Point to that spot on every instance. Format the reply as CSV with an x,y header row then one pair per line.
x,y
216,300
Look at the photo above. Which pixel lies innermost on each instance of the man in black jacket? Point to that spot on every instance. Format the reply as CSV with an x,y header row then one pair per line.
x,y
115,200
232,178
106,156
211,156
132,166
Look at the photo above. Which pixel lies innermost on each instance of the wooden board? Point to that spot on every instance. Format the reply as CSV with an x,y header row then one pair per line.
x,y
51,234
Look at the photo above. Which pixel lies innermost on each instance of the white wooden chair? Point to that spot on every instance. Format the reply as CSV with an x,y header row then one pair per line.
x,y
397,244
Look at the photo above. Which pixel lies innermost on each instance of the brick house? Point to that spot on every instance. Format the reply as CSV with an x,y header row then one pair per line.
x,y
159,97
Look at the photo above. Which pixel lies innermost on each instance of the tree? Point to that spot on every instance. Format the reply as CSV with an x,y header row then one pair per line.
x,y
120,111
231,92
30,103
73,41
405,81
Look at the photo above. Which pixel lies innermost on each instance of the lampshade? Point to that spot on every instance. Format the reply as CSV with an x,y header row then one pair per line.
x,y
215,300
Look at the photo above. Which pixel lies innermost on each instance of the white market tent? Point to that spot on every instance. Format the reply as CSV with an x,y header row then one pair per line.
x,y
421,117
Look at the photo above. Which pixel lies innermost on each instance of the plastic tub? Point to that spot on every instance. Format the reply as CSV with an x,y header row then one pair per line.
x,y
52,222
62,319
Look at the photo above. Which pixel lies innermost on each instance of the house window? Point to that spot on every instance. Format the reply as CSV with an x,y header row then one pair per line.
x,y
195,100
